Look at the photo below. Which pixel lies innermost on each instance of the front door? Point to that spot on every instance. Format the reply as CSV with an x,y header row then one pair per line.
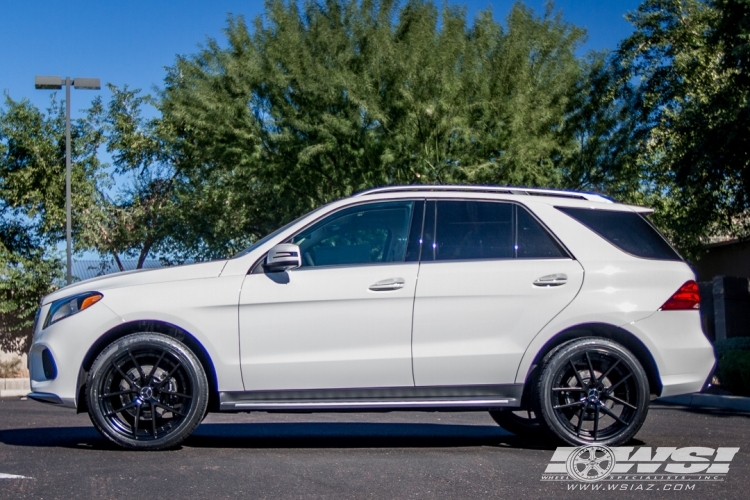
x,y
343,319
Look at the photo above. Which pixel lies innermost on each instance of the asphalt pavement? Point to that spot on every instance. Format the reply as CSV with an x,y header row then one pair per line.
x,y
398,455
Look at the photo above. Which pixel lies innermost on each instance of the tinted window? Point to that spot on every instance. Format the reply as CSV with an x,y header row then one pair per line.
x,y
533,241
414,245
428,235
364,234
473,230
628,231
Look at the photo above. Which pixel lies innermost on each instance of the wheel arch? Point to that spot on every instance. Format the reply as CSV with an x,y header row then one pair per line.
x,y
150,326
619,335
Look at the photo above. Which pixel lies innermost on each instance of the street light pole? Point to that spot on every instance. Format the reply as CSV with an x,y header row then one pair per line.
x,y
56,83
68,201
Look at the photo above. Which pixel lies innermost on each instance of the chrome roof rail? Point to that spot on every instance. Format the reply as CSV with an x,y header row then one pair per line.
x,y
576,195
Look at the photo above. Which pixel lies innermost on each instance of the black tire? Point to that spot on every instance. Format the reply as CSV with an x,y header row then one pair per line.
x,y
522,423
607,408
146,391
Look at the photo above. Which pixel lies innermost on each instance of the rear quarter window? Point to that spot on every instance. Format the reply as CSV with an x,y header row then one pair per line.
x,y
631,232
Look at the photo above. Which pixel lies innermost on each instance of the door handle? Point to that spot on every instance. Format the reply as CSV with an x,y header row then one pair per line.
x,y
389,284
551,280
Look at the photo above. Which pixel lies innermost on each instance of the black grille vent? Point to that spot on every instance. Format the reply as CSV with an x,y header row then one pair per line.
x,y
48,363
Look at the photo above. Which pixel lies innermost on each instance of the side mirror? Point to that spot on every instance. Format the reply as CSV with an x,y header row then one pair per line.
x,y
283,257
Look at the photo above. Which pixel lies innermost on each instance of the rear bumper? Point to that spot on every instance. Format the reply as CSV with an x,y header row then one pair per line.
x,y
682,353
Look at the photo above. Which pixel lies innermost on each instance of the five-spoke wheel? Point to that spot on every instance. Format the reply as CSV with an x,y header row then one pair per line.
x,y
147,391
593,390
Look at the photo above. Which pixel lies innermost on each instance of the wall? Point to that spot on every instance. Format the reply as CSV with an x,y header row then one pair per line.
x,y
724,259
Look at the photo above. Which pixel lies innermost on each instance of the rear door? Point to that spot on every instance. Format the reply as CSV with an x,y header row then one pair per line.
x,y
491,276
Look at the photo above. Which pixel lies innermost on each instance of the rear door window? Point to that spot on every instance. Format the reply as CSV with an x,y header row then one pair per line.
x,y
631,232
533,241
474,230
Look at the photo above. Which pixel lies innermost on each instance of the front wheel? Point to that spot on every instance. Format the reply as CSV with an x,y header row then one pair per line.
x,y
593,391
147,391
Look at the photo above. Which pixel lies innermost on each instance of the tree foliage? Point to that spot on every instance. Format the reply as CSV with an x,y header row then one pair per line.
x,y
315,101
26,274
120,210
32,181
135,202
684,76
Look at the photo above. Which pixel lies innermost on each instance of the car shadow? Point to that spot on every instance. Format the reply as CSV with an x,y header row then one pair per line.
x,y
294,435
714,412
353,435
53,437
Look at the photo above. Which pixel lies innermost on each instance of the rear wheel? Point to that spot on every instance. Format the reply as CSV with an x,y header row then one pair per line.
x,y
593,390
147,391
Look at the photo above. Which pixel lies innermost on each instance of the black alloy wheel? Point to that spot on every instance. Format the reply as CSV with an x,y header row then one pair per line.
x,y
147,391
593,390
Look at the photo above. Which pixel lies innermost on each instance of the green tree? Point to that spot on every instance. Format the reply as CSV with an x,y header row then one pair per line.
x,y
119,210
123,210
132,207
32,164
683,79
315,101
26,274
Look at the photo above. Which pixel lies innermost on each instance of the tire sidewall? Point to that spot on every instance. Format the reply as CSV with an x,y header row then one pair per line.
x,y
194,370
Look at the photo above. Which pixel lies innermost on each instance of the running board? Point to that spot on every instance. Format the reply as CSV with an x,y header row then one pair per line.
x,y
373,405
445,398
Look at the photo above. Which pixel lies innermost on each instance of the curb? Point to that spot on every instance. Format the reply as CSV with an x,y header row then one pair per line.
x,y
14,387
697,400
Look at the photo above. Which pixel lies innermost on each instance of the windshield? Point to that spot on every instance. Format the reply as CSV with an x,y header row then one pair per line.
x,y
275,233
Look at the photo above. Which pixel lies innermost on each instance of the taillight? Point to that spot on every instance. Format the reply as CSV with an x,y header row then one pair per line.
x,y
687,297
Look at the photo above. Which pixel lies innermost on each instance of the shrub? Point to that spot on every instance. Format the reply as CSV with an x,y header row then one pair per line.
x,y
10,369
721,347
734,371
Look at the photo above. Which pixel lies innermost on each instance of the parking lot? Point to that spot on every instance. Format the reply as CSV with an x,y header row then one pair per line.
x,y
389,455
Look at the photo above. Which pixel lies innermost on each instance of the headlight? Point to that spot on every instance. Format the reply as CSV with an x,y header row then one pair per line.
x,y
37,315
62,308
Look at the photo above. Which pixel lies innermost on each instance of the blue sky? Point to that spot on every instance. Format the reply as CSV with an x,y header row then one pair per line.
x,y
130,42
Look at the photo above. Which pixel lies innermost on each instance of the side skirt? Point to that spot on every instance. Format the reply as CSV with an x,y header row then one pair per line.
x,y
433,398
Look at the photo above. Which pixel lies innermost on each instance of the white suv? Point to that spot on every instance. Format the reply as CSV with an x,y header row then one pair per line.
x,y
564,306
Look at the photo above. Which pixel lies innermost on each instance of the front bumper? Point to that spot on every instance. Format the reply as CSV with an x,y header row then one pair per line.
x,y
43,397
63,346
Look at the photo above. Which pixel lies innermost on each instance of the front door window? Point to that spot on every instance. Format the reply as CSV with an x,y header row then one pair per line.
x,y
367,234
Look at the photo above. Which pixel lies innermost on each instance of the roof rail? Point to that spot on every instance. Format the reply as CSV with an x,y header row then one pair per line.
x,y
491,189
